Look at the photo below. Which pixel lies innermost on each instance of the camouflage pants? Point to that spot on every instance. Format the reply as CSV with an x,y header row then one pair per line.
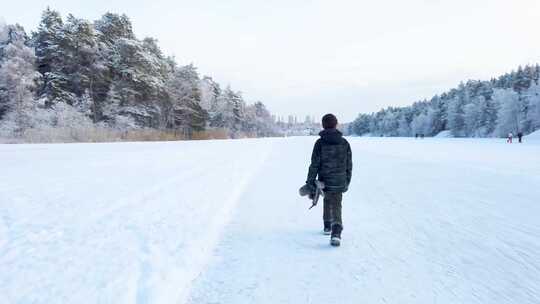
x,y
332,208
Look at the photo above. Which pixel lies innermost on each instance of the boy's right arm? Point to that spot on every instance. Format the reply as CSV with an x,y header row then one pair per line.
x,y
315,164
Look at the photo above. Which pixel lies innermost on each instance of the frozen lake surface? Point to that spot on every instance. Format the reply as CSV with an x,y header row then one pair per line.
x,y
426,221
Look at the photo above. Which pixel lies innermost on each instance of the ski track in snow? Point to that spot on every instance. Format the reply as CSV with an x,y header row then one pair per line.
x,y
426,221
115,223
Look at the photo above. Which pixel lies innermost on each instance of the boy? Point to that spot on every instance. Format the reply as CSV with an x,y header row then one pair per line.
x,y
331,161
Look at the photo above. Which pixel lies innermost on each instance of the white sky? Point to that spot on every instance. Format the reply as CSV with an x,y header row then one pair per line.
x,y
312,57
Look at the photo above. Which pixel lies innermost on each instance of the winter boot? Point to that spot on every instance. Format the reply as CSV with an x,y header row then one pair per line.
x,y
327,228
335,239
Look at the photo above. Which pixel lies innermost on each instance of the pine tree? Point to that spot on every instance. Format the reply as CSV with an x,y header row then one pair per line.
x,y
112,27
81,53
230,110
184,91
49,42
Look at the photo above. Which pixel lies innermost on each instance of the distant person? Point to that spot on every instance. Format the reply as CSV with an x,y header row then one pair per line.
x,y
422,136
331,163
509,138
416,135
520,136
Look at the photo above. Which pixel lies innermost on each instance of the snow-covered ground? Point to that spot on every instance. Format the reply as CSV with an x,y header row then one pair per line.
x,y
534,135
426,221
444,134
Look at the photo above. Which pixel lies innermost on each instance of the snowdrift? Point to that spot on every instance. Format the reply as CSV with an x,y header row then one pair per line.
x,y
444,134
534,135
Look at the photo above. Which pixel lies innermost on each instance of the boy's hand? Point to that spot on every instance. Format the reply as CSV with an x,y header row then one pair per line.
x,y
308,190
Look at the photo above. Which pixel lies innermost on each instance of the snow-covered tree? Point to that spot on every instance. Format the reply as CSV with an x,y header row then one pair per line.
x,y
456,121
184,90
476,117
67,116
234,110
18,82
10,34
420,124
532,98
112,111
389,123
112,27
361,124
102,72
210,91
404,128
3,33
471,109
259,120
437,116
509,111
81,51
139,81
49,41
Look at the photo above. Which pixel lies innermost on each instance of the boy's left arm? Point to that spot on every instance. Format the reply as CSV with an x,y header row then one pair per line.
x,y
349,164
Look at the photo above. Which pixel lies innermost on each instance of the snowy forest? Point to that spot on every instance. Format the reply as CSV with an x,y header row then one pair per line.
x,y
79,75
510,103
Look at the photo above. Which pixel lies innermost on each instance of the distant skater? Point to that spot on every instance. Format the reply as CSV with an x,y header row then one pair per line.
x,y
509,138
331,163
520,136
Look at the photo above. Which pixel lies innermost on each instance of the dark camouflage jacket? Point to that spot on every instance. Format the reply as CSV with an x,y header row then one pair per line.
x,y
331,161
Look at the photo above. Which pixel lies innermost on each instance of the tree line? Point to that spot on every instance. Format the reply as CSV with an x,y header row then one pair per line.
x,y
494,108
76,73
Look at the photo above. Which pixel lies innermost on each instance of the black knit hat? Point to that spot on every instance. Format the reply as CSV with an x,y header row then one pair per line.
x,y
329,121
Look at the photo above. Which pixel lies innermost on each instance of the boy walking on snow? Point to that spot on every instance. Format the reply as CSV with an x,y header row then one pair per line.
x,y
331,162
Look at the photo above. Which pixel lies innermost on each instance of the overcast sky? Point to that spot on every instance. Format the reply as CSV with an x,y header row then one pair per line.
x,y
312,57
